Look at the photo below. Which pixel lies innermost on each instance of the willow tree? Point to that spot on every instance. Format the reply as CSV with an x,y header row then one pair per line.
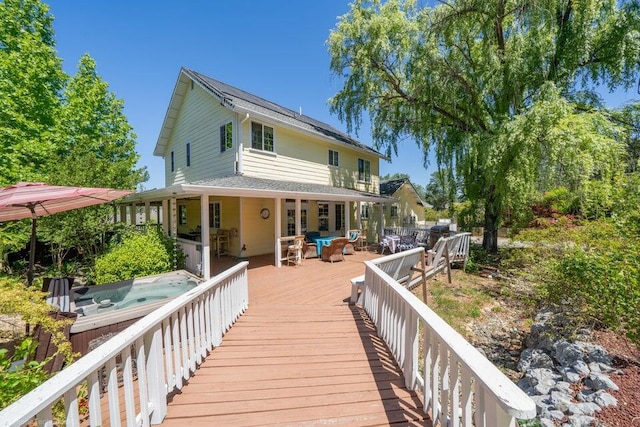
x,y
487,85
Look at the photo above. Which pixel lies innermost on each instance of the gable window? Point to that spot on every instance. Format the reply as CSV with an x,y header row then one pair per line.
x,y
214,215
333,158
261,137
364,170
226,137
173,162
364,211
188,149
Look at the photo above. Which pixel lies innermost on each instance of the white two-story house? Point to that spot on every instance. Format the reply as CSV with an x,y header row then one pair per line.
x,y
238,163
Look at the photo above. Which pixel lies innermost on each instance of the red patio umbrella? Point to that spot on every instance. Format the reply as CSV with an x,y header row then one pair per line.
x,y
35,199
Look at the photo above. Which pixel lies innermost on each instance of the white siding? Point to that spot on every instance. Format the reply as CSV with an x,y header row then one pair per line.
x,y
303,158
198,123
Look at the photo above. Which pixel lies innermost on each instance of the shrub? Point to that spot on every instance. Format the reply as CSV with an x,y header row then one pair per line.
x,y
136,254
16,378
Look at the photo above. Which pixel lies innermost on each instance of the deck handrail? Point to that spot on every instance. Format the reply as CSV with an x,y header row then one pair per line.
x,y
459,386
163,361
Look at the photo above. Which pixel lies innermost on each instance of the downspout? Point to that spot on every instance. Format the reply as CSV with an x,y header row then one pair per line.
x,y
239,169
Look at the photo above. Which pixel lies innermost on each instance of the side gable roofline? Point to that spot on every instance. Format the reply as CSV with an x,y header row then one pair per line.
x,y
243,102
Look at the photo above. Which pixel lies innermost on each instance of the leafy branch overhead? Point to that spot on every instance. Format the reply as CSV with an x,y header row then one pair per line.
x,y
489,86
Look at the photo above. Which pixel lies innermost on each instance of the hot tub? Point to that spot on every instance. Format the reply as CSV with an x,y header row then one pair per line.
x,y
104,310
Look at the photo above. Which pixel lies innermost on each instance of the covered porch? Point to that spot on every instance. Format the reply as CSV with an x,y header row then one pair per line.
x,y
239,216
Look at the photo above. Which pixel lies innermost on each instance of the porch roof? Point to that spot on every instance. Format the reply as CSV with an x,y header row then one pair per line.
x,y
244,186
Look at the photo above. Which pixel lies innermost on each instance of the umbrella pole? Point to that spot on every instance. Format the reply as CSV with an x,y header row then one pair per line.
x,y
32,248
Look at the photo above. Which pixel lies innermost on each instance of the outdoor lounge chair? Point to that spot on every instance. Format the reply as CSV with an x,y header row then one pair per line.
x,y
354,241
333,252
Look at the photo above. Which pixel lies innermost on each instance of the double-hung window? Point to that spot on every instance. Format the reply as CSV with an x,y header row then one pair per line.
x,y
182,215
364,170
333,158
214,215
173,162
364,211
261,137
394,211
226,137
188,150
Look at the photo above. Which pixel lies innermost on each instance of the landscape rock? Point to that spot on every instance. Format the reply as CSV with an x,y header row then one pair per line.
x,y
580,421
567,353
598,381
581,367
532,358
583,408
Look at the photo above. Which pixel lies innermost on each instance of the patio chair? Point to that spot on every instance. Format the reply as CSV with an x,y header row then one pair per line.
x,y
309,250
294,252
354,241
333,252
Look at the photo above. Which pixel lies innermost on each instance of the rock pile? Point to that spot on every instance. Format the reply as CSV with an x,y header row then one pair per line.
x,y
567,380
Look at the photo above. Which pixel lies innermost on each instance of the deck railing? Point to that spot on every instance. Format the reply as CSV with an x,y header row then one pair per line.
x,y
142,364
459,386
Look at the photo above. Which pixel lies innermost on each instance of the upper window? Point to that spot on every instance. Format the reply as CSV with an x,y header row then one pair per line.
x,y
394,211
333,158
226,137
188,154
261,137
173,162
364,170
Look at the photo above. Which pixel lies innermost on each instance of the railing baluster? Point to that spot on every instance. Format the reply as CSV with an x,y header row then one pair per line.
x,y
176,349
93,392
191,338
127,383
445,409
467,397
168,355
155,374
428,390
143,394
184,344
112,392
71,408
454,376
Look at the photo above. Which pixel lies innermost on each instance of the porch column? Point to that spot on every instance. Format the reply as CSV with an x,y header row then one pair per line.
x,y
147,211
123,213
158,217
298,217
381,230
165,216
174,230
278,231
133,213
359,215
204,237
347,218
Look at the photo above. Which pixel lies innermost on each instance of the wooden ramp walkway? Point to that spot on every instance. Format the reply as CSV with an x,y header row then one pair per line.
x,y
300,355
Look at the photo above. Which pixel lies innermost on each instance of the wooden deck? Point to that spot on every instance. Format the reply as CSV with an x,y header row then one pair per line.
x,y
300,355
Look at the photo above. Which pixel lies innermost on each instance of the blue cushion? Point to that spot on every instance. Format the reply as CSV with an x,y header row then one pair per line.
x,y
353,236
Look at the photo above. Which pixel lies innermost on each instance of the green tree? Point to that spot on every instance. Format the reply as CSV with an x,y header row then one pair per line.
x,y
485,85
441,191
31,78
93,130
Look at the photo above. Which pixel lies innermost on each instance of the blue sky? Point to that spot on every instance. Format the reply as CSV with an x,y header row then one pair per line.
x,y
273,49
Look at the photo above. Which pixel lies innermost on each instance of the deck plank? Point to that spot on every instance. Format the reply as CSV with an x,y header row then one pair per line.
x,y
299,356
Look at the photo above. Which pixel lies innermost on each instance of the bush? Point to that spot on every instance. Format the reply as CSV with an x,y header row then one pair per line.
x,y
17,378
136,254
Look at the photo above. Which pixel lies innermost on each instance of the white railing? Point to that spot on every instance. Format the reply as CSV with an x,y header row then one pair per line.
x,y
459,386
142,364
193,253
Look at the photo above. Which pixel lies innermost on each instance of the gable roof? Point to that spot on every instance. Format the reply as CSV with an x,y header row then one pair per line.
x,y
389,188
243,102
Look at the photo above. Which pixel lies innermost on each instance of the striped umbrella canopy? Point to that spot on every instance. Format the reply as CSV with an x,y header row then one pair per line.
x,y
36,199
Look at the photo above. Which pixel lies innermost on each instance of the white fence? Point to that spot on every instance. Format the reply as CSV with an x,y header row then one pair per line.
x,y
136,370
459,386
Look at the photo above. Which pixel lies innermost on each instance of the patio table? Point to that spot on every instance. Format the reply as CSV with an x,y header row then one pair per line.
x,y
392,242
323,241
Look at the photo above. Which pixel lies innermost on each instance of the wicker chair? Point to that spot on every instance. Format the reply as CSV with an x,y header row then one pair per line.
x,y
309,250
333,252
294,252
